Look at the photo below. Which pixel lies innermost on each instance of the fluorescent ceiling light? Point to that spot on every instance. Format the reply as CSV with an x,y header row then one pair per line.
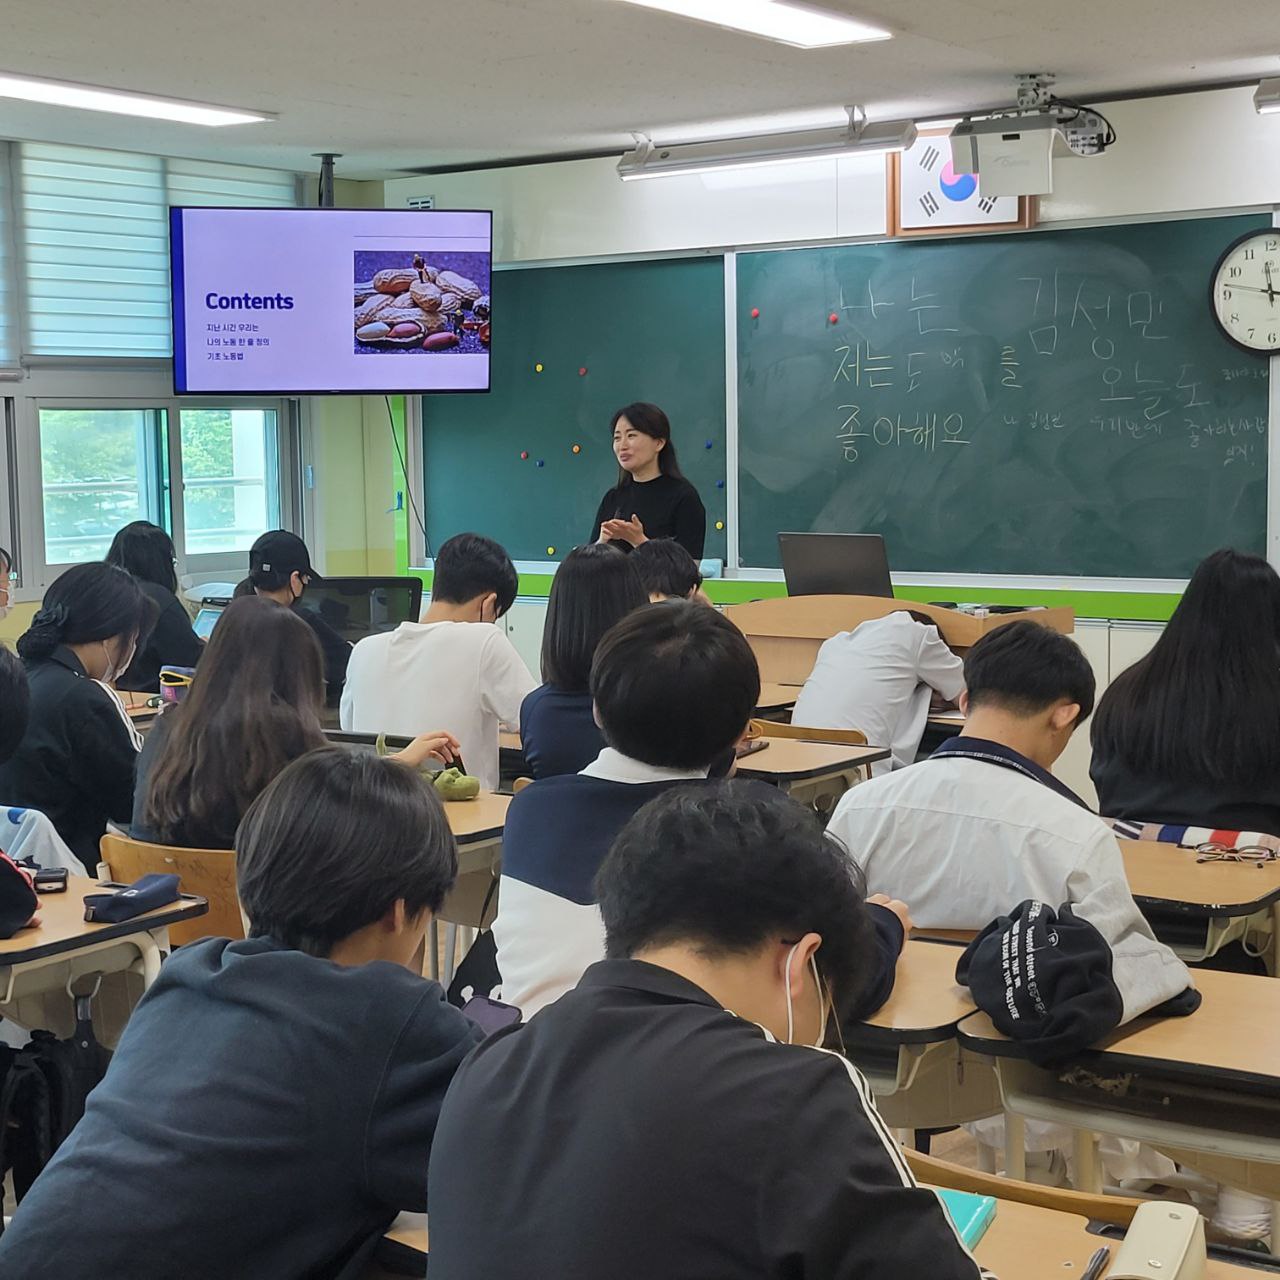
x,y
1267,98
58,93
781,20
856,138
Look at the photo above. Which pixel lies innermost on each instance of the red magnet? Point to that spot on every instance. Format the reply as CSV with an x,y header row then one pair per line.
x,y
524,456
834,318
755,313
582,373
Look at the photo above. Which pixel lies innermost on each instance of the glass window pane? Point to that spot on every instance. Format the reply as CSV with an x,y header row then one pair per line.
x,y
99,470
230,490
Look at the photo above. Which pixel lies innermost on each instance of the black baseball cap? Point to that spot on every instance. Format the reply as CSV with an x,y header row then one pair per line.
x,y
279,551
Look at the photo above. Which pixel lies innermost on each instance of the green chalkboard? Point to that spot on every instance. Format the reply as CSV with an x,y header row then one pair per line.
x,y
1059,402
641,331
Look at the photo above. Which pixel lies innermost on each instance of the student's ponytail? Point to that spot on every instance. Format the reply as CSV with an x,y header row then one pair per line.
x,y
45,633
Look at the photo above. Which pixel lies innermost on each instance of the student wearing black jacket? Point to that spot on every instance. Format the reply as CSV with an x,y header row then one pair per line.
x,y
273,1101
18,901
592,589
1190,734
652,499
668,1117
146,551
76,761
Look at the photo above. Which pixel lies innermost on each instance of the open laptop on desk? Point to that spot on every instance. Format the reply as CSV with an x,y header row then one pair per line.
x,y
835,564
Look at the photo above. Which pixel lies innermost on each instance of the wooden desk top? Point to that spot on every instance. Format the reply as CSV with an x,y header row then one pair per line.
x,y
947,720
790,760
777,697
61,924
926,1003
1167,876
1233,1038
480,819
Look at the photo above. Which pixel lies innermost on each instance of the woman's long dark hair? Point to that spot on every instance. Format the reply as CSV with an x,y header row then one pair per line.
x,y
596,586
1205,702
254,706
147,552
650,421
89,602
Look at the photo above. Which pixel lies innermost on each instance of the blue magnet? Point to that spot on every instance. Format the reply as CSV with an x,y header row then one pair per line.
x,y
719,484
711,444
541,463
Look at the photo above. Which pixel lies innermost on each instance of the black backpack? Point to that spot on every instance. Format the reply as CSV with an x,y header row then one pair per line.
x,y
43,1093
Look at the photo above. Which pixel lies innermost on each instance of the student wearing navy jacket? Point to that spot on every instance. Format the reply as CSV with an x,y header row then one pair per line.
x,y
594,588
673,1116
273,1101
76,761
674,685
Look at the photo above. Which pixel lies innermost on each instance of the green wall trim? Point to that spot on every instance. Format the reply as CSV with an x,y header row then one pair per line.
x,y
1126,606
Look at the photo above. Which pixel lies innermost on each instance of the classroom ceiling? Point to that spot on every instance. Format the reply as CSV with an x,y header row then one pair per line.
x,y
402,86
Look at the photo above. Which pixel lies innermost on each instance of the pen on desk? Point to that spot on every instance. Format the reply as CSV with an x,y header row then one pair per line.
x,y
1096,1264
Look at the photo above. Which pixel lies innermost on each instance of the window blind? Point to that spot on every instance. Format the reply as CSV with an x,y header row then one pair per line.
x,y
95,252
197,182
8,280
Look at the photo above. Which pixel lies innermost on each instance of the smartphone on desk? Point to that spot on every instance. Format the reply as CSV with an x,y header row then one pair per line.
x,y
750,747
51,880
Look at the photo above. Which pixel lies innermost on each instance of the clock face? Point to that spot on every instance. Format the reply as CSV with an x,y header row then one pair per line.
x,y
1246,292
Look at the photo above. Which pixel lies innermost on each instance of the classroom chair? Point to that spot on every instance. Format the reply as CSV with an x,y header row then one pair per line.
x,y
806,733
519,785
1116,1210
210,873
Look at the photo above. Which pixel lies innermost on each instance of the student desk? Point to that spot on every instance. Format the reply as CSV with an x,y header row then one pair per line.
x,y
776,699
1205,1089
45,959
1220,901
477,827
810,771
1023,1242
908,1049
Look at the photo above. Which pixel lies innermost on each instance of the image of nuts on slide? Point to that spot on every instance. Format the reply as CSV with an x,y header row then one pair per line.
x,y
420,302
426,295
452,282
395,280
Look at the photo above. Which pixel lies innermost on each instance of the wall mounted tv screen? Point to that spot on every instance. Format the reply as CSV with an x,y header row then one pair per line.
x,y
344,301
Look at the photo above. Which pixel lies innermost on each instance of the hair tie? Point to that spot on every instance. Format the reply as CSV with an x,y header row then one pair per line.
x,y
53,616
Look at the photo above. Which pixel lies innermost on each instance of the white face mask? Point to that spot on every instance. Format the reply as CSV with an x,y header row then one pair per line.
x,y
786,986
112,673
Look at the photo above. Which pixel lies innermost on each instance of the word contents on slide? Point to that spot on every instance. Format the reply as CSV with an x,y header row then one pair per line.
x,y
308,301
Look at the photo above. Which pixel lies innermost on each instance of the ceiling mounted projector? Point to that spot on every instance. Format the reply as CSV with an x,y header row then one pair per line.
x,y
858,137
1012,151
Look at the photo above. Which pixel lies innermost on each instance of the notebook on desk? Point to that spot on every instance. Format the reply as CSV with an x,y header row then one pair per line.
x,y
971,1214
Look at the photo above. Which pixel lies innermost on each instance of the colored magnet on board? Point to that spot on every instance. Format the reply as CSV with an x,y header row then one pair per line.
x,y
711,444
719,524
755,313
541,463
834,318
582,373
719,484
537,368
551,551
577,448
524,455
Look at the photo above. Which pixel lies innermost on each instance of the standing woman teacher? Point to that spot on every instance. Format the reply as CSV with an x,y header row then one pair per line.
x,y
652,499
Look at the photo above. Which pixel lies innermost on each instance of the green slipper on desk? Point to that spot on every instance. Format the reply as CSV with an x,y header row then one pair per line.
x,y
453,785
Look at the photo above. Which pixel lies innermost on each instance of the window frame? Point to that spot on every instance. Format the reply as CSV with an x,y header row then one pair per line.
x,y
115,387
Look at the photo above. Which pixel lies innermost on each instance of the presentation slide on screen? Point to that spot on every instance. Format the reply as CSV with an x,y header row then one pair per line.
x,y
330,300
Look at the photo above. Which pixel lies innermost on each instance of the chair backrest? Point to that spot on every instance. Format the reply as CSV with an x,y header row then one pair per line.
x,y
1118,1210
842,737
519,785
210,873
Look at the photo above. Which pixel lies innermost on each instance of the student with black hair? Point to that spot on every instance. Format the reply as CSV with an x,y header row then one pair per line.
x,y
1190,734
455,669
652,498
880,678
8,576
699,1133
674,686
668,571
593,588
147,552
280,569
76,761
18,901
308,1060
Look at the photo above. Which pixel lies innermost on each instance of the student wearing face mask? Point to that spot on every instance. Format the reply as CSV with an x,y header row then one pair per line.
x,y
76,761
280,570
698,1132
8,578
